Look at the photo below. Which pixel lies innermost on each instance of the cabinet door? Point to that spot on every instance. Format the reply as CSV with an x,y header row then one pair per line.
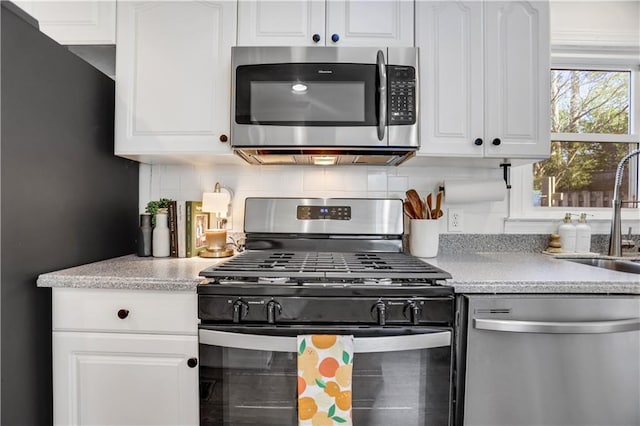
x,y
367,23
281,23
173,76
449,35
77,22
124,379
517,67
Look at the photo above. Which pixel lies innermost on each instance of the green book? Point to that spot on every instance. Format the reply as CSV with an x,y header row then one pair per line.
x,y
196,223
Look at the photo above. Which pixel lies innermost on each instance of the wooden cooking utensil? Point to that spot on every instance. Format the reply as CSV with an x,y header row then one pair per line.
x,y
408,210
437,212
416,203
429,203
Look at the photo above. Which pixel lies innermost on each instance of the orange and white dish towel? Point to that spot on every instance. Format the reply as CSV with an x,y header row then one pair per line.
x,y
325,365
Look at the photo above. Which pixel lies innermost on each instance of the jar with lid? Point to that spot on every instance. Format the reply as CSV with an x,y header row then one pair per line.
x,y
160,236
144,235
567,231
583,235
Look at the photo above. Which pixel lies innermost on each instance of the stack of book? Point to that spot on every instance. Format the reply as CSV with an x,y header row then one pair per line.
x,y
187,225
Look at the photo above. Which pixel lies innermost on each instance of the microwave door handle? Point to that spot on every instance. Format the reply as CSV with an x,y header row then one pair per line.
x,y
382,92
259,342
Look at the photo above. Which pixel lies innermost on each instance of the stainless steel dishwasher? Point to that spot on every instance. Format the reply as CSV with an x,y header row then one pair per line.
x,y
552,360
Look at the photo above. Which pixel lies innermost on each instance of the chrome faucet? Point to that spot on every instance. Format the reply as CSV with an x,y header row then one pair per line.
x,y
615,239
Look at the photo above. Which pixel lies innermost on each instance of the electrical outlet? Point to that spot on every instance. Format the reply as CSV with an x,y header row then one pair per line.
x,y
455,220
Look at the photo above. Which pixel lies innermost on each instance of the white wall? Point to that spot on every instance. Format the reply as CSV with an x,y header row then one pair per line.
x,y
188,183
600,23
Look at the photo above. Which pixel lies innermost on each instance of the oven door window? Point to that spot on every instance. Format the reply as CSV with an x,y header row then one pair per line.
x,y
390,385
305,94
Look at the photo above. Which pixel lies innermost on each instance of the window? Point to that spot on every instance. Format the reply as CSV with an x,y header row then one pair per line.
x,y
590,123
595,121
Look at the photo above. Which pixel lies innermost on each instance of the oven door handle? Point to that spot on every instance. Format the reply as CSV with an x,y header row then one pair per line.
x,y
259,342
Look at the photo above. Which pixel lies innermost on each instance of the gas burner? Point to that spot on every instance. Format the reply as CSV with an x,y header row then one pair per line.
x,y
280,267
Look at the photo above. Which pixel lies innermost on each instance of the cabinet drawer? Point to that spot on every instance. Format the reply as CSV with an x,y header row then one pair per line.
x,y
125,310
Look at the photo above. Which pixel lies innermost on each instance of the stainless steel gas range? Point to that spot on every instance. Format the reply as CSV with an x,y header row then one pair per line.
x,y
325,266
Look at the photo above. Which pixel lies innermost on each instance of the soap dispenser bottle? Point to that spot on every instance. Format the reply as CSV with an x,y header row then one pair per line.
x,y
567,231
583,235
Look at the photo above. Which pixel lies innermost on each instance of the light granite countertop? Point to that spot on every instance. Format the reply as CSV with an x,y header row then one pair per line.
x,y
506,272
132,272
487,273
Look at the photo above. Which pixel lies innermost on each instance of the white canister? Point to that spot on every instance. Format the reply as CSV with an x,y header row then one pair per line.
x,y
567,232
160,240
583,235
424,237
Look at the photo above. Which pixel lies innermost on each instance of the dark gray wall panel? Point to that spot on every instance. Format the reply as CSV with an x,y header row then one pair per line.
x,y
66,200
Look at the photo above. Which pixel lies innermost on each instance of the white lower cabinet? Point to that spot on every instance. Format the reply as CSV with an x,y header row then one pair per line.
x,y
137,376
124,379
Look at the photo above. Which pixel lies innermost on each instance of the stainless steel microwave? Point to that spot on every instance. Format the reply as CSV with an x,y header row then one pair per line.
x,y
325,105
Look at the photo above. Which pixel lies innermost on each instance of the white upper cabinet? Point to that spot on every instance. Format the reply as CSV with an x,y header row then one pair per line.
x,y
75,22
325,23
280,23
451,77
484,78
517,109
172,80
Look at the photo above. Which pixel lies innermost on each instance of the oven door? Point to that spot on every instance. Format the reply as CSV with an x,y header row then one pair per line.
x,y
401,376
309,97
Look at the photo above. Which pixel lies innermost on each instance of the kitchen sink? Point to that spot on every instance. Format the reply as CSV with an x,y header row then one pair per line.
x,y
631,266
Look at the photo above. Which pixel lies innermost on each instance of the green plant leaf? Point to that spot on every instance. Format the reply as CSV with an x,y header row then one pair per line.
x,y
332,410
303,345
153,206
321,383
345,357
338,419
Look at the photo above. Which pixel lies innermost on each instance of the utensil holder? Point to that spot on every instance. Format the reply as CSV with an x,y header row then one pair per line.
x,y
424,237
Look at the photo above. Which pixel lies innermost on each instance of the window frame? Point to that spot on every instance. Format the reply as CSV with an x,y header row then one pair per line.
x,y
523,216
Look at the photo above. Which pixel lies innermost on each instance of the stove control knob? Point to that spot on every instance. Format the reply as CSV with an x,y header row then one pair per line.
x,y
273,308
240,310
381,310
412,311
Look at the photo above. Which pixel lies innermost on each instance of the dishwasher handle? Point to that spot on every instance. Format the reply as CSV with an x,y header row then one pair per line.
x,y
558,327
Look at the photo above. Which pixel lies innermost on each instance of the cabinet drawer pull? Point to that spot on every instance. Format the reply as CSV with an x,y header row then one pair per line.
x,y
316,38
478,141
123,313
223,138
335,38
496,141
192,362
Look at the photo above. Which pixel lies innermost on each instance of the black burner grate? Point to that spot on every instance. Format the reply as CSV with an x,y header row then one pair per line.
x,y
335,265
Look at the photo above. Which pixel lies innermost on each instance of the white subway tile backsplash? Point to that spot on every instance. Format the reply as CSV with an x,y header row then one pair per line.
x,y
397,183
281,179
313,179
188,182
346,179
170,178
376,180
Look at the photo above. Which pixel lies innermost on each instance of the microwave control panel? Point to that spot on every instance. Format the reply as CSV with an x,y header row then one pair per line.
x,y
402,94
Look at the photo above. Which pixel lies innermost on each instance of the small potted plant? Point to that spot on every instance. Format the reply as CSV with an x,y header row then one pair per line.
x,y
159,206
